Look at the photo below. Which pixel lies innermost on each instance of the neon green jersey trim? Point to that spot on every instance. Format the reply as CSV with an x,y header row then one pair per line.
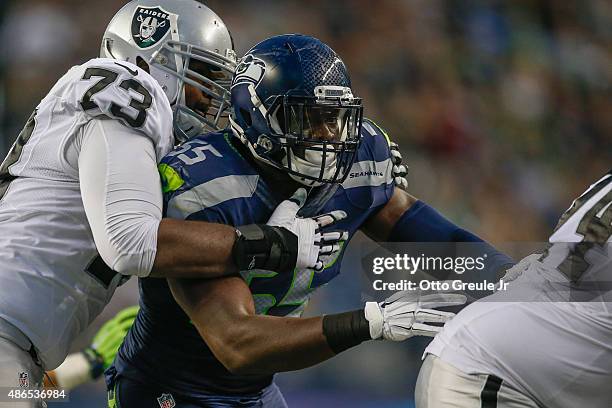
x,y
227,137
112,397
264,296
259,274
171,180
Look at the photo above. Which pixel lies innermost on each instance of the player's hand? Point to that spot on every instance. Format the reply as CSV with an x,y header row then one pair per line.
x,y
409,313
80,368
110,336
400,171
315,241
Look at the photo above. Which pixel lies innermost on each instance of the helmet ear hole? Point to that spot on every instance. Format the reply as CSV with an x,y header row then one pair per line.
x,y
142,64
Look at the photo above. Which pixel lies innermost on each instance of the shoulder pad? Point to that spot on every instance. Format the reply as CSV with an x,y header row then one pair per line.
x,y
120,90
205,172
370,128
375,142
373,166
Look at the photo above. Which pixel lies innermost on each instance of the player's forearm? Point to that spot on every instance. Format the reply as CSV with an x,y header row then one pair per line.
x,y
193,249
266,344
223,312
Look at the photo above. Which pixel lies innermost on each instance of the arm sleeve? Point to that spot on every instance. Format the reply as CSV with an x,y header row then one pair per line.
x,y
121,193
422,223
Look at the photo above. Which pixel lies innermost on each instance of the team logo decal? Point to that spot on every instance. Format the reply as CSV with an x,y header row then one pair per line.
x,y
251,70
150,25
166,401
24,380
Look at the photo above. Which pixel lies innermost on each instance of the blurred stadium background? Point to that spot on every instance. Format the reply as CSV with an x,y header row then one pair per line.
x,y
503,110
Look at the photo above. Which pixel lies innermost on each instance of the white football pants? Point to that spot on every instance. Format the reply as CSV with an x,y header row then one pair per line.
x,y
440,385
18,371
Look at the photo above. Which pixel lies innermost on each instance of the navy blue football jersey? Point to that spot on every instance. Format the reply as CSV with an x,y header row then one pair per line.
x,y
209,179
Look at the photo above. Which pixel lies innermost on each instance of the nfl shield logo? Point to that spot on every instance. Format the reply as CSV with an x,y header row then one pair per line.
x,y
24,380
166,401
150,25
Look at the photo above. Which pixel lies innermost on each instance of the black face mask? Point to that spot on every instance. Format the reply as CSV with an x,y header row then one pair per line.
x,y
314,140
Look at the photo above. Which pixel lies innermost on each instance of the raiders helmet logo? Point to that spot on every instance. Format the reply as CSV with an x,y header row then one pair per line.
x,y
150,25
251,70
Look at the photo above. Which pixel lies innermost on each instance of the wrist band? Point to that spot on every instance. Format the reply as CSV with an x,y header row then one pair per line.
x,y
346,330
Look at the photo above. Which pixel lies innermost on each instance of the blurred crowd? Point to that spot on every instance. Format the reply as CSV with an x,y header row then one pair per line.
x,y
502,109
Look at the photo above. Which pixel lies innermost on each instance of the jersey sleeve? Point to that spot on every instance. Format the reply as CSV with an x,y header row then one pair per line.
x,y
122,91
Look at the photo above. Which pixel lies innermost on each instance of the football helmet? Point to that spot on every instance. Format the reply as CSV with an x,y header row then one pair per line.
x,y
180,42
293,107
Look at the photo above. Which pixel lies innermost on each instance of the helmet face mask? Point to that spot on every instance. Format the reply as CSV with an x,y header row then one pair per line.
x,y
318,138
207,72
183,44
294,116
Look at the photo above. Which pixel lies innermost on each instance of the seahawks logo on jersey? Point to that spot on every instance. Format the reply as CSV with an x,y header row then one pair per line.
x,y
251,70
150,25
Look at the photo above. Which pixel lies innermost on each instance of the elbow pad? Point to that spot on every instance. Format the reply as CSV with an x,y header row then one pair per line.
x,y
265,247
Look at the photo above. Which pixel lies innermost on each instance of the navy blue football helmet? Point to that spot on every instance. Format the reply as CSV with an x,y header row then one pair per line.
x,y
293,107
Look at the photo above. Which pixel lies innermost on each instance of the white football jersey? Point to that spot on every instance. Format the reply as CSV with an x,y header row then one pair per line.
x,y
550,334
52,281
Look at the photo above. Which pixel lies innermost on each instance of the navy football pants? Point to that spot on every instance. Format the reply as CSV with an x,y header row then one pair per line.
x,y
128,393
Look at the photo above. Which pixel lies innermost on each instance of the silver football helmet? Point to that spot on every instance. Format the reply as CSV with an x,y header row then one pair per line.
x,y
180,42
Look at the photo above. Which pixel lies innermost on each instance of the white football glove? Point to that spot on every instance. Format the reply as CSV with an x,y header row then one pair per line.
x,y
407,313
313,244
